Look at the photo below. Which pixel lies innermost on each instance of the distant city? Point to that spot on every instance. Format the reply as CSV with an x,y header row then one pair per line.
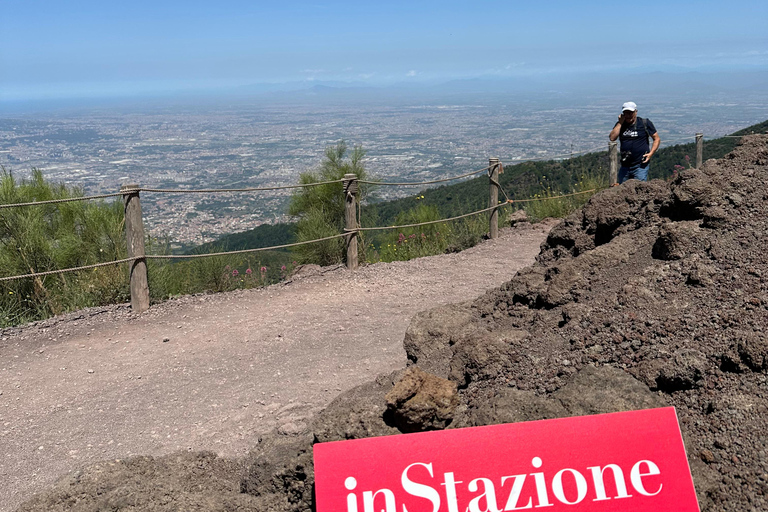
x,y
253,144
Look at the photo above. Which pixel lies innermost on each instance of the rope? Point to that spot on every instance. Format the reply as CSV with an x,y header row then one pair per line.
x,y
167,256
346,233
501,205
75,269
68,200
413,183
242,251
498,185
563,155
686,140
168,191
432,221
224,190
514,162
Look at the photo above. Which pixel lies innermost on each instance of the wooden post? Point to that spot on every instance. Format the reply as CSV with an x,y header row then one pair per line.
x,y
613,159
134,235
350,218
493,199
699,150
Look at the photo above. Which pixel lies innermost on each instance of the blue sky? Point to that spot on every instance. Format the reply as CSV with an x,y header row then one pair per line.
x,y
74,47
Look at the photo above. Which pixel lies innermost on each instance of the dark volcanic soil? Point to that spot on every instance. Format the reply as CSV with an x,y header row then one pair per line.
x,y
654,294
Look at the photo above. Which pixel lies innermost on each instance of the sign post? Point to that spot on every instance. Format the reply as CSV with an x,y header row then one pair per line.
x,y
629,462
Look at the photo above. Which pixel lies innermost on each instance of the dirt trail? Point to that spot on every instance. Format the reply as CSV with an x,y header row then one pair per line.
x,y
103,384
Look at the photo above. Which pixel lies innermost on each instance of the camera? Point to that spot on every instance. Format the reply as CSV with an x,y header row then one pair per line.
x,y
625,156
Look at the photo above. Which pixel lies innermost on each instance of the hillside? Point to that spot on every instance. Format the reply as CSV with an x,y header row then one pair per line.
x,y
266,235
518,180
653,294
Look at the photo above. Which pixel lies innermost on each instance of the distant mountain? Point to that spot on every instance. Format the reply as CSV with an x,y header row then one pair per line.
x,y
576,86
301,85
673,82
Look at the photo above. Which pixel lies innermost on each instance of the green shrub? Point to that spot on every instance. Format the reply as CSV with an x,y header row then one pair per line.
x,y
320,209
65,235
432,239
212,274
418,241
550,203
316,223
57,236
468,232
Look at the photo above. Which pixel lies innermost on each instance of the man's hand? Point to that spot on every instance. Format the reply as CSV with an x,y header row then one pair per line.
x,y
616,128
646,158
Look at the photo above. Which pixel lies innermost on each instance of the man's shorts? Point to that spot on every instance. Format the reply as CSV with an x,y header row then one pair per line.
x,y
636,172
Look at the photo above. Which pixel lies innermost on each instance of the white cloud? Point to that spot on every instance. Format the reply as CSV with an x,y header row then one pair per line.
x,y
411,73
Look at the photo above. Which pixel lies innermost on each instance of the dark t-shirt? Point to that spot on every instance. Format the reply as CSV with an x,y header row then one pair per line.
x,y
634,139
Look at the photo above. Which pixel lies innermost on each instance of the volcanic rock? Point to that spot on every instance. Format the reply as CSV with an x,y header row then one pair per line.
x,y
420,401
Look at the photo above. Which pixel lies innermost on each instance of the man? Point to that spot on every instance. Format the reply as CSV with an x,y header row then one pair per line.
x,y
633,132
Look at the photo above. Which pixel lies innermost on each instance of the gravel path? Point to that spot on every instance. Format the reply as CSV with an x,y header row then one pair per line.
x,y
103,383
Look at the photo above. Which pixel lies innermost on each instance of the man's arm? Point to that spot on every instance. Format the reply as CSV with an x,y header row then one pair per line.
x,y
654,147
616,129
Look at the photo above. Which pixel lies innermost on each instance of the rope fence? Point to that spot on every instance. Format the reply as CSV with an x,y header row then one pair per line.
x,y
75,269
427,223
134,190
412,183
241,251
283,246
135,229
64,200
229,190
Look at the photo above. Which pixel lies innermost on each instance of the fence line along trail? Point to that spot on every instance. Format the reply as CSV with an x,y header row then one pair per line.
x,y
106,386
135,233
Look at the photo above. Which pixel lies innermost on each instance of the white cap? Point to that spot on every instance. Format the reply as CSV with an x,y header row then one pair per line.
x,y
630,105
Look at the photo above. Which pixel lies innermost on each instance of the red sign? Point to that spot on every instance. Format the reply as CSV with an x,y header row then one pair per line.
x,y
627,461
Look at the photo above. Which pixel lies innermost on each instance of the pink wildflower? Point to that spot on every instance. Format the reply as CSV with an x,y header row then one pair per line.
x,y
248,271
263,269
235,273
282,268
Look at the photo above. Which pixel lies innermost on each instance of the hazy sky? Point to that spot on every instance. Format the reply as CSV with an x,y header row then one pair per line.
x,y
54,48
